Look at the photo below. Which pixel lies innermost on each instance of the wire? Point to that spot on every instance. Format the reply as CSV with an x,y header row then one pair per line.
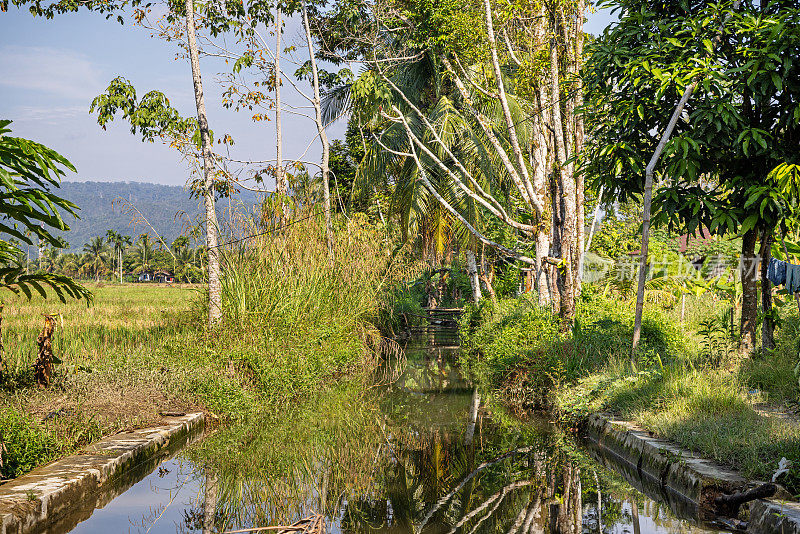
x,y
266,232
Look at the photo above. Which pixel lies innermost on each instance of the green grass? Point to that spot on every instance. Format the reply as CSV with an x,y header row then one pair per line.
x,y
294,322
688,383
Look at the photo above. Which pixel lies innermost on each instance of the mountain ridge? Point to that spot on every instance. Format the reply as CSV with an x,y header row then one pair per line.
x,y
160,204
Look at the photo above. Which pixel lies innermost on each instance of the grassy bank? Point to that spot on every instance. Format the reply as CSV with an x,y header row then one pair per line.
x,y
294,322
687,382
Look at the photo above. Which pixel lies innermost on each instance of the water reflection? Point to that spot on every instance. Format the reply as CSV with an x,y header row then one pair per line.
x,y
424,454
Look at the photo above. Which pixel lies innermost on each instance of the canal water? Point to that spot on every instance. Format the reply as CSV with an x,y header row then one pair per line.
x,y
422,451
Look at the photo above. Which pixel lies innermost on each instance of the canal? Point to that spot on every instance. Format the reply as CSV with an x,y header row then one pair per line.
x,y
420,451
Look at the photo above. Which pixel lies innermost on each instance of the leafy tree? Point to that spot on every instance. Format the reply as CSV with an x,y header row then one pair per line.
x,y
96,256
742,121
29,172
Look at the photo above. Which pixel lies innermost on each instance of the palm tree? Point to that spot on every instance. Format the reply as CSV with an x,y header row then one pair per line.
x,y
49,259
111,238
143,253
120,242
96,256
185,268
68,264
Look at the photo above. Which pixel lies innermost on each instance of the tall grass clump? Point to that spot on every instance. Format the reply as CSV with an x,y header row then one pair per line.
x,y
517,345
295,316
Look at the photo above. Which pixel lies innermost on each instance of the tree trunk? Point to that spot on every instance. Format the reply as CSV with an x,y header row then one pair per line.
x,y
767,324
280,177
568,196
214,271
210,502
2,348
580,214
323,137
749,292
472,271
683,305
599,503
637,529
539,163
489,288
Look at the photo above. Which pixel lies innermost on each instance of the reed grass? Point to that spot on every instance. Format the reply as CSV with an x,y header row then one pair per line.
x,y
295,321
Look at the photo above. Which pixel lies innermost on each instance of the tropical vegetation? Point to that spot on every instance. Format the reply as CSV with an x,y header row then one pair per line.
x,y
603,209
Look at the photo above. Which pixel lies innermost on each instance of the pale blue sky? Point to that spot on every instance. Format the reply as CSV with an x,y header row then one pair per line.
x,y
50,70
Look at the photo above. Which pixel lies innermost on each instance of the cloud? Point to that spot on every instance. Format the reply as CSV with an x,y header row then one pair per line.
x,y
49,115
65,73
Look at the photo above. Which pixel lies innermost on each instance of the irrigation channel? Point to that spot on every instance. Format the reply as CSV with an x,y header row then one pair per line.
x,y
420,452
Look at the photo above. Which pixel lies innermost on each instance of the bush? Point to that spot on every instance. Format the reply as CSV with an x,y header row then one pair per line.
x,y
518,349
515,347
24,444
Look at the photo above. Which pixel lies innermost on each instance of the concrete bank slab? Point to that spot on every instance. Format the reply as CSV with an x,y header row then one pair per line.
x,y
69,489
666,469
768,517
673,468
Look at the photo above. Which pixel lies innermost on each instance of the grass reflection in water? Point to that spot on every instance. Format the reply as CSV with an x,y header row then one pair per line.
x,y
424,454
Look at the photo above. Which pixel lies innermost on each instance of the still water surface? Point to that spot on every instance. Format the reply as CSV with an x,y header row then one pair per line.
x,y
423,454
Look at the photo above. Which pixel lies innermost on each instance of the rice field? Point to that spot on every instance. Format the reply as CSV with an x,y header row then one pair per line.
x,y
120,319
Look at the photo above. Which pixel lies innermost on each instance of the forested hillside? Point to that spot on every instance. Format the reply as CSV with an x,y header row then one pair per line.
x,y
159,203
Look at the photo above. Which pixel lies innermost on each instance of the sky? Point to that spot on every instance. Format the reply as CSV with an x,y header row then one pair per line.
x,y
50,70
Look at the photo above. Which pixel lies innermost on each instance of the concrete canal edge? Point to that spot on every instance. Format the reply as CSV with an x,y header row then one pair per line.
x,y
53,493
663,465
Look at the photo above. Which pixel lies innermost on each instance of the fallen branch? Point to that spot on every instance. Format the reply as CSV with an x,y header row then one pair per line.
x,y
308,525
729,504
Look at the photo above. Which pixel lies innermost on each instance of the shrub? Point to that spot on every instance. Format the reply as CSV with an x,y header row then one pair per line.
x,y
24,444
517,348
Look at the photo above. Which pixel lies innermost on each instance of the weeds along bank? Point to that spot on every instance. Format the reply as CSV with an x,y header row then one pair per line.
x,y
295,321
688,383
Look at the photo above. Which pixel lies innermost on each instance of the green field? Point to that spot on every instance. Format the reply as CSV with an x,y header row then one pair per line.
x,y
294,322
109,376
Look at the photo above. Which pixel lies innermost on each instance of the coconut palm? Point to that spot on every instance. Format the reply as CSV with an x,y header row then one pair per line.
x,y
143,254
120,242
68,264
49,259
96,256
186,268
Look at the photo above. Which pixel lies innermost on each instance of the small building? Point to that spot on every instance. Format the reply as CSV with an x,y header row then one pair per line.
x,y
163,277
159,277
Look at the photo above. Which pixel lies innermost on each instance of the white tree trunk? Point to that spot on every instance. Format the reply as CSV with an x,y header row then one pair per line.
x,y
280,176
472,271
473,416
323,136
214,271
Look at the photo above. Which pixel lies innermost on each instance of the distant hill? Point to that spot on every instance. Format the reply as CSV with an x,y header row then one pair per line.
x,y
158,203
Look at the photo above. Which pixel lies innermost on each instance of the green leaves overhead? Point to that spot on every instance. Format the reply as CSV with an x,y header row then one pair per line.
x,y
741,122
29,172
151,117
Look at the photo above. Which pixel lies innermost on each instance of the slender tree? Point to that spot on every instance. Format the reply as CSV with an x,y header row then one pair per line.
x,y
212,241
96,256
323,136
